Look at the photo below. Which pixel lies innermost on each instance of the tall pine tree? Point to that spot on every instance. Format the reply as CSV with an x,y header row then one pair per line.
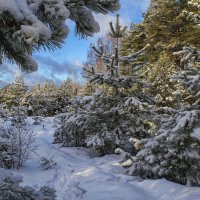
x,y
166,28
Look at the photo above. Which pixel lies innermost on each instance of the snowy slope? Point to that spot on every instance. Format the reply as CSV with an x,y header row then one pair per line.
x,y
81,176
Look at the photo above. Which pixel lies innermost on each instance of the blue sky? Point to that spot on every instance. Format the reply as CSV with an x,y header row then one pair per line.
x,y
67,61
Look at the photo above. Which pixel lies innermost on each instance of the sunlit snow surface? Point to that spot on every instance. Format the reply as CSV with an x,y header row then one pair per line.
x,y
78,175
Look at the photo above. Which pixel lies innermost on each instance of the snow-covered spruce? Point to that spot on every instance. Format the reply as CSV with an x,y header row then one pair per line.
x,y
174,153
10,189
106,120
28,25
104,123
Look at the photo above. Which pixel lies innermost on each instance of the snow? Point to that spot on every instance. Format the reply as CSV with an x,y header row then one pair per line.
x,y
20,10
133,101
196,133
12,7
187,119
79,175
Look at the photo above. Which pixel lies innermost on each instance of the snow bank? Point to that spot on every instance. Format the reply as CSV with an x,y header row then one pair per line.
x,y
79,176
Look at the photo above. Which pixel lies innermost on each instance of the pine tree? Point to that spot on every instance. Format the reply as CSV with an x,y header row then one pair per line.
x,y
15,90
108,44
32,100
167,92
174,153
166,28
29,25
68,89
104,120
49,99
134,40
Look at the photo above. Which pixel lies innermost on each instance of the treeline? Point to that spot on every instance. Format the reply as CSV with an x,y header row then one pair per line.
x,y
46,99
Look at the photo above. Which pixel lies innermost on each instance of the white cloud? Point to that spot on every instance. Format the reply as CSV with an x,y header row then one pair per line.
x,y
12,71
49,69
9,72
104,20
78,63
128,8
35,78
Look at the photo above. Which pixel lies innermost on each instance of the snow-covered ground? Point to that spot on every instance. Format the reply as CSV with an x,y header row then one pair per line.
x,y
78,175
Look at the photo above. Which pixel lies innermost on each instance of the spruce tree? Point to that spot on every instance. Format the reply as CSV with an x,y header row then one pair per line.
x,y
174,153
107,120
